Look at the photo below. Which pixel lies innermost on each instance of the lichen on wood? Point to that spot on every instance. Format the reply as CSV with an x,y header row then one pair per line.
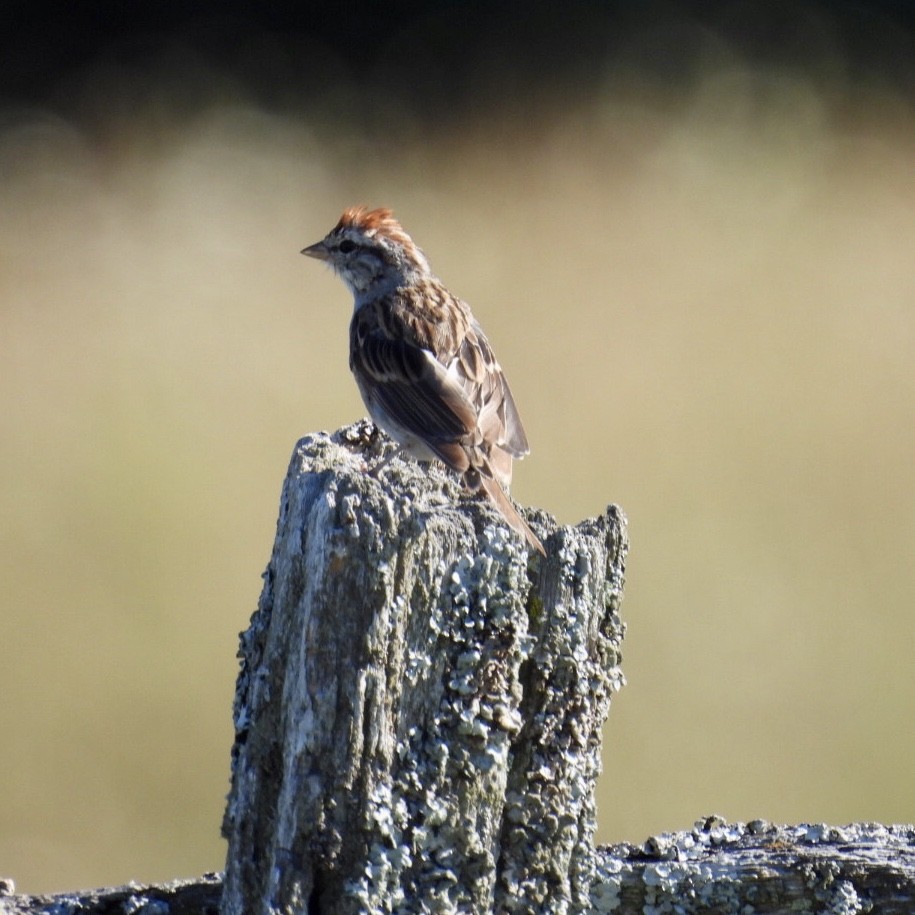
x,y
419,709
418,718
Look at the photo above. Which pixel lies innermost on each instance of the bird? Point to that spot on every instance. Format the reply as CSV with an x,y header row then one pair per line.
x,y
425,369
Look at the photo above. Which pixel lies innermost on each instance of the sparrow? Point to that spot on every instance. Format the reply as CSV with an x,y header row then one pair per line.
x,y
425,370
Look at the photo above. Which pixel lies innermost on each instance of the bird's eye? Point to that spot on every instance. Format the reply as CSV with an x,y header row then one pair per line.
x,y
346,246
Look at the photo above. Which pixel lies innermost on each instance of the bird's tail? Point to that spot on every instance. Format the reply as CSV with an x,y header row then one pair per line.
x,y
509,512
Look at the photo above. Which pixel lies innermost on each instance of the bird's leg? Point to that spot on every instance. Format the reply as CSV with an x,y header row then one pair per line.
x,y
374,435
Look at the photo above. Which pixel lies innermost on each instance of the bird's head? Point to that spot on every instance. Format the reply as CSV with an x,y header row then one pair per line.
x,y
370,250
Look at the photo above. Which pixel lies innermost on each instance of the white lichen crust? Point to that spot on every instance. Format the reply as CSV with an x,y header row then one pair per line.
x,y
716,868
418,719
758,868
419,708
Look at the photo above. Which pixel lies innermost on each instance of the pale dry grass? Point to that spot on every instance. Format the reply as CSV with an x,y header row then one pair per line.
x,y
705,306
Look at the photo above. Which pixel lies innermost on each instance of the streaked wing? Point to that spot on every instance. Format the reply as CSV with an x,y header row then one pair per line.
x,y
487,388
412,388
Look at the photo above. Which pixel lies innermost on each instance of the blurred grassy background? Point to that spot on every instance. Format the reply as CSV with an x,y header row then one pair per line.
x,y
689,231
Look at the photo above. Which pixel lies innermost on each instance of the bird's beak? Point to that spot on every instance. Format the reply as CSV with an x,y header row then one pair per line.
x,y
318,250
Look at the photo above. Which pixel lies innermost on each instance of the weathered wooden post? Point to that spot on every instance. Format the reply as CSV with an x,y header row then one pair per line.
x,y
419,710
418,721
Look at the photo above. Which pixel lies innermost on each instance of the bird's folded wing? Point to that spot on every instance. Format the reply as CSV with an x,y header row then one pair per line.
x,y
415,390
487,388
